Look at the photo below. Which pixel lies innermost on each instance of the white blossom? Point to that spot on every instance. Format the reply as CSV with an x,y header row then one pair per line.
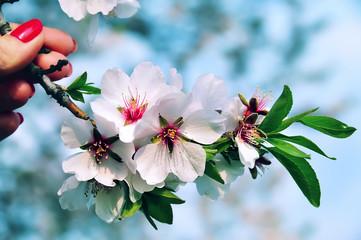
x,y
106,158
165,128
108,201
78,9
127,99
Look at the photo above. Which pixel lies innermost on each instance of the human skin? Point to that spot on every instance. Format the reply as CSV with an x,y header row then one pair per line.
x,y
16,86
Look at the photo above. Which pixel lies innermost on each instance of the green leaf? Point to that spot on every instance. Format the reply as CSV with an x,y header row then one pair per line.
x,y
170,197
210,153
303,174
287,148
328,125
302,141
212,172
158,208
76,95
90,89
278,112
287,122
130,208
147,216
232,154
79,82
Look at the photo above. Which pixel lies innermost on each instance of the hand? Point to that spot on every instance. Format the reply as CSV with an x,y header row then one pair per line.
x,y
18,49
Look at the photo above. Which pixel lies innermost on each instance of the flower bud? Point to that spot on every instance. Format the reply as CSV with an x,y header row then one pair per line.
x,y
253,104
243,99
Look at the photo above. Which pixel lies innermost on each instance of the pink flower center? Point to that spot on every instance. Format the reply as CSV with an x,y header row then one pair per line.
x,y
248,133
99,149
134,107
169,133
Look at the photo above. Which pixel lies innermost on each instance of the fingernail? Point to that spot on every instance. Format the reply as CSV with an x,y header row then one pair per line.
x,y
75,46
32,90
28,31
70,72
20,117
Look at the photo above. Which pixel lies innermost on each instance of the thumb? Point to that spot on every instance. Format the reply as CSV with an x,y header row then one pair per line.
x,y
19,47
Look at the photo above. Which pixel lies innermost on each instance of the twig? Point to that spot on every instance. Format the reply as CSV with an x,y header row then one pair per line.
x,y
39,75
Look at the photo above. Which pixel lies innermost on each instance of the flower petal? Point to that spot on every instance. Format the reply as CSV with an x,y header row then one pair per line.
x,y
146,75
233,111
133,194
247,153
148,81
174,106
204,126
148,126
141,185
93,29
108,203
106,128
76,132
69,184
211,188
74,199
114,83
126,8
103,108
125,151
74,8
211,91
126,133
103,6
228,172
110,170
188,161
153,163
175,79
82,165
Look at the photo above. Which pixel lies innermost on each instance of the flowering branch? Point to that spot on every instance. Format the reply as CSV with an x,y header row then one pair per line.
x,y
39,75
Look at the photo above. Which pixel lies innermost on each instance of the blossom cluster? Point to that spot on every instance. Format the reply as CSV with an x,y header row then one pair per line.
x,y
149,134
149,138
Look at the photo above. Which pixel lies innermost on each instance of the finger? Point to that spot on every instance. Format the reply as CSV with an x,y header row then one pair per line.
x,y
59,41
56,40
14,94
45,60
9,122
19,47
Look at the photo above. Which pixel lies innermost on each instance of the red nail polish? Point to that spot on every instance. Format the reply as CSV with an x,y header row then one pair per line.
x,y
28,31
20,117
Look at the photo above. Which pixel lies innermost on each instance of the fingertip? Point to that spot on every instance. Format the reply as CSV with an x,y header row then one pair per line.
x,y
75,46
9,123
59,41
44,61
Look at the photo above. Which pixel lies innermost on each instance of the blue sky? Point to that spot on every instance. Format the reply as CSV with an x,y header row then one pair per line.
x,y
272,207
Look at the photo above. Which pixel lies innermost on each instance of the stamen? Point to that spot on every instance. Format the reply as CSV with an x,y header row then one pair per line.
x,y
263,98
134,107
99,149
94,188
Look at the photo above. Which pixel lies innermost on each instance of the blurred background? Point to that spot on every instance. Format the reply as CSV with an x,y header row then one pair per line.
x,y
312,46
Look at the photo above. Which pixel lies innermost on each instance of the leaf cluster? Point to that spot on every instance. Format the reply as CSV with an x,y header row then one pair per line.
x,y
80,87
154,205
291,157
